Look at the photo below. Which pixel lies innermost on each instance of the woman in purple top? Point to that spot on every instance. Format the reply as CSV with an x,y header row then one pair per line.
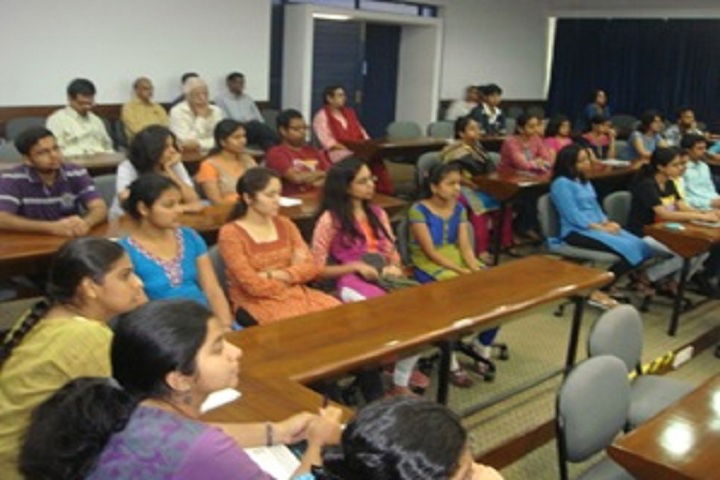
x,y
167,356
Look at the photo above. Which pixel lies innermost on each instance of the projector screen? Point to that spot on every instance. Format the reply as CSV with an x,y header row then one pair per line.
x,y
47,43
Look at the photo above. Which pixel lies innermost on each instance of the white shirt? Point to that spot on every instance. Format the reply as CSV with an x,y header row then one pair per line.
x,y
459,108
188,126
77,134
126,174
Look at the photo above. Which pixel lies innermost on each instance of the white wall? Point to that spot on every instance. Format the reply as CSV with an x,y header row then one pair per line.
x,y
498,41
48,42
635,8
418,73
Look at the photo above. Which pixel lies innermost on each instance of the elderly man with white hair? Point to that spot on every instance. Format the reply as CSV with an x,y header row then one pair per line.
x,y
193,120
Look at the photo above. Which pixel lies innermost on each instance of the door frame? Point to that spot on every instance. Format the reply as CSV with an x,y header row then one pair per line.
x,y
418,85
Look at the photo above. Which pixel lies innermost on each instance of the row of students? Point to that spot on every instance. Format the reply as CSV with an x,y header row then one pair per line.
x,y
166,357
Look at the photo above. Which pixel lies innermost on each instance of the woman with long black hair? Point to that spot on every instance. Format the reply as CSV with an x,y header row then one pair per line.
x,y
63,336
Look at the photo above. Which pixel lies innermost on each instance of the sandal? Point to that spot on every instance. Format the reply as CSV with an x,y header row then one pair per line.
x,y
602,300
460,378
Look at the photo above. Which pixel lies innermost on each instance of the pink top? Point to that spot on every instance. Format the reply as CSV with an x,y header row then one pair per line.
x,y
531,156
325,135
557,143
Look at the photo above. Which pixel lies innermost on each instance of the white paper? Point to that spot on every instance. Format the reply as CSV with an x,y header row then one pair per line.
x,y
613,162
289,202
219,398
277,460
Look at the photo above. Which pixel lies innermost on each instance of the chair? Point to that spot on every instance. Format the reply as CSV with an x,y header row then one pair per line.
x,y
591,408
105,185
619,332
624,124
617,206
550,225
8,153
537,111
402,130
441,129
119,135
16,126
425,162
270,116
515,111
219,266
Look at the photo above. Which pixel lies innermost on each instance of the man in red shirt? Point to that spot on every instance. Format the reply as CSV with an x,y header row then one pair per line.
x,y
301,166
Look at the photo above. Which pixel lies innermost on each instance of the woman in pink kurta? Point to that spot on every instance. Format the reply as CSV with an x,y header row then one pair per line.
x,y
336,124
525,152
557,133
267,260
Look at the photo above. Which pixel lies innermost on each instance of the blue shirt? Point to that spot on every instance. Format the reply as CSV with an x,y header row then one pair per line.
x,y
699,187
175,278
577,207
649,143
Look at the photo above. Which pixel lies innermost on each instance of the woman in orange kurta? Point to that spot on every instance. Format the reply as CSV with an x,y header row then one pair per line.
x,y
267,260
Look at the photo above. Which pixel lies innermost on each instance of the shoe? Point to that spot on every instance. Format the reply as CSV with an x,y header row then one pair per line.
x,y
419,379
460,378
484,370
398,391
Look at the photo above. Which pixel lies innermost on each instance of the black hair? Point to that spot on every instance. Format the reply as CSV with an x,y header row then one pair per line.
x,y
233,76
647,118
660,157
68,432
146,189
598,119
187,75
222,131
690,140
594,93
523,119
81,86
436,175
566,163
683,109
490,89
28,138
77,259
390,440
284,118
255,180
329,91
147,147
461,124
553,126
336,199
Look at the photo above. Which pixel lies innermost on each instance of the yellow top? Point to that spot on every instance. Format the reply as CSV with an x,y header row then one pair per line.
x,y
53,352
137,115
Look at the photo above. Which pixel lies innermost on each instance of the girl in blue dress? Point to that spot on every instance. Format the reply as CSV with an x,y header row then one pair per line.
x,y
584,224
171,260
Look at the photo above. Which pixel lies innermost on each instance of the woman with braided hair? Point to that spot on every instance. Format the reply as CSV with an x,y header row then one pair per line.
x,y
64,336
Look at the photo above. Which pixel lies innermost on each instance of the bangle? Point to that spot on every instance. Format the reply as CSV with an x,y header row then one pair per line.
x,y
269,434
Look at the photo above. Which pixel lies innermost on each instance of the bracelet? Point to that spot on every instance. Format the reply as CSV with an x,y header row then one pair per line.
x,y
269,434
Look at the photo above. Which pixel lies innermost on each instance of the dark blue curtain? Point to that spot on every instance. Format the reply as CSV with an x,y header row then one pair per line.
x,y
641,64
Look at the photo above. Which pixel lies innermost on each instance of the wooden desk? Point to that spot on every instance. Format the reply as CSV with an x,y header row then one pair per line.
x,y
681,442
333,342
26,253
506,187
106,163
492,143
380,148
692,241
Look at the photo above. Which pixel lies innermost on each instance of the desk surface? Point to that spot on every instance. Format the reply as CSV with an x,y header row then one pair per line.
x,y
335,341
279,358
379,148
20,251
505,186
105,163
681,442
693,240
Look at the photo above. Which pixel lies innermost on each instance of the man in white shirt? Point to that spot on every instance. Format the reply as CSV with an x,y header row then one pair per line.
x,y
241,107
462,107
77,130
